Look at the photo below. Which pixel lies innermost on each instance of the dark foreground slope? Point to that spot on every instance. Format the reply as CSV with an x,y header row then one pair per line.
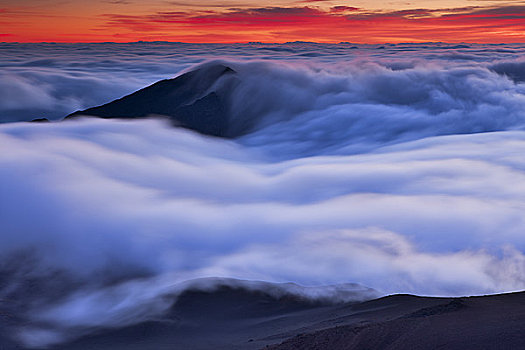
x,y
197,100
237,318
489,322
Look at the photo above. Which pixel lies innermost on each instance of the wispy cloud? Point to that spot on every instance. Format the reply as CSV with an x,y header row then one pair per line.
x,y
118,2
338,23
344,8
234,21
311,1
222,4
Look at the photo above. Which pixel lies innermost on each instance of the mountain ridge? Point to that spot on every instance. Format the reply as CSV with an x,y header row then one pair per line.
x,y
196,100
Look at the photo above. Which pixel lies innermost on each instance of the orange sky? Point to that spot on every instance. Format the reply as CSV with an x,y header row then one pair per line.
x,y
266,21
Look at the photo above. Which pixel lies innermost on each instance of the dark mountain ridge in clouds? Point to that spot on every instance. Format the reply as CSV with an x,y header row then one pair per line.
x,y
214,99
306,109
195,313
231,314
53,80
193,100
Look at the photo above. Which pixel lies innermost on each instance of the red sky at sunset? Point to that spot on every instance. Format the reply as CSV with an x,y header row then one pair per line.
x,y
327,21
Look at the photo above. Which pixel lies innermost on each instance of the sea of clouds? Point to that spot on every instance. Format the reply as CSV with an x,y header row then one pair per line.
x,y
398,167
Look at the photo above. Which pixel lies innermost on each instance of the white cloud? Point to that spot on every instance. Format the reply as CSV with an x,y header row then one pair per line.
x,y
95,192
374,171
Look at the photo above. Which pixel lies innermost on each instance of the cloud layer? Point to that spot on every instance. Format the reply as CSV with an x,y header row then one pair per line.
x,y
54,80
404,175
99,206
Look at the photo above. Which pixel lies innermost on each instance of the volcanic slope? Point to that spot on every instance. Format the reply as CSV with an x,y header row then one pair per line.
x,y
229,317
196,100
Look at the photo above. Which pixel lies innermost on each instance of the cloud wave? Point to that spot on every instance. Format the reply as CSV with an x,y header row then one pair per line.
x,y
100,203
404,175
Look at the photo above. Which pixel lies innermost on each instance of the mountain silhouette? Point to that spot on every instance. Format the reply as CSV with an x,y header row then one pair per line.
x,y
196,100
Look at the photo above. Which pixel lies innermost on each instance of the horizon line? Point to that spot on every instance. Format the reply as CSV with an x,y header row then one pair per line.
x,y
258,42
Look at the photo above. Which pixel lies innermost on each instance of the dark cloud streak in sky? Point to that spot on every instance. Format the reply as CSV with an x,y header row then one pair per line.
x,y
337,21
320,21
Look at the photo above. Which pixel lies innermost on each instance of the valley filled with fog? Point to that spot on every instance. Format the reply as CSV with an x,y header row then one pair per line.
x,y
396,167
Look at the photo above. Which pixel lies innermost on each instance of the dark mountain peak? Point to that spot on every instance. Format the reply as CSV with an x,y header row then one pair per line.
x,y
197,100
40,120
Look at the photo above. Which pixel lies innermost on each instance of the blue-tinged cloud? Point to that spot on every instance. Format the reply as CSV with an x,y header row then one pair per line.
x,y
55,80
404,175
104,203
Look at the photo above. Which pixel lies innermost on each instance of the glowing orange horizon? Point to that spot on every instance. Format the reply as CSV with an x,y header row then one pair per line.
x,y
302,22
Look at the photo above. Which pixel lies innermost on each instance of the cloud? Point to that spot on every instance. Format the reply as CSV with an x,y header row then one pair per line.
x,y
313,1
334,110
319,21
344,8
55,80
233,16
107,207
118,2
192,177
59,79
515,70
221,4
399,168
389,259
339,23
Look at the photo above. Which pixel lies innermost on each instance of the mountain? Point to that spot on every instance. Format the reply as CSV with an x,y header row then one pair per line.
x,y
238,316
415,323
196,100
232,318
199,312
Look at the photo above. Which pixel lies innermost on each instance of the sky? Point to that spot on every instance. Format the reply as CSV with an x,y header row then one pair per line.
x,y
271,21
